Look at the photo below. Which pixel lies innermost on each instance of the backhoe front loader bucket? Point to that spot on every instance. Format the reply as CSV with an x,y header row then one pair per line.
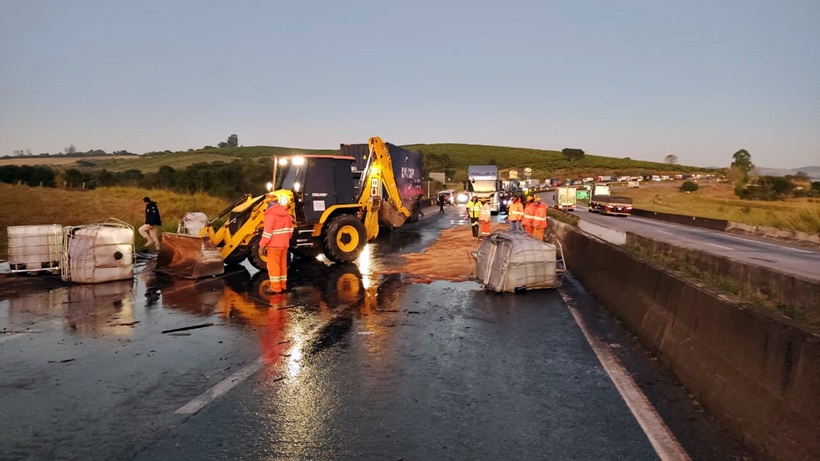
x,y
189,256
389,215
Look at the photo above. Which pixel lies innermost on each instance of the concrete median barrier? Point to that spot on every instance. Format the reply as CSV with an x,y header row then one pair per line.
x,y
755,371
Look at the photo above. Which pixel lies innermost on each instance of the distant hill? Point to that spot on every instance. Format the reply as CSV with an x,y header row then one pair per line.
x,y
455,158
544,163
812,171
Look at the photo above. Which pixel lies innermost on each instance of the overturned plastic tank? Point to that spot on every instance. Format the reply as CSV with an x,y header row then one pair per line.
x,y
96,253
509,261
35,248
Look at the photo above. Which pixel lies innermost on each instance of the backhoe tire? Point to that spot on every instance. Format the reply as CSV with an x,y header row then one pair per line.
x,y
238,255
344,239
257,255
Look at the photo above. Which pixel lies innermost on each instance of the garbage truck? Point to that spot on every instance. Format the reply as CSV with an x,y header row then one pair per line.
x,y
333,213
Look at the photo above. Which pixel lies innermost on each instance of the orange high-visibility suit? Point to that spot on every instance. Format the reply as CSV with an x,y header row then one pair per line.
x,y
529,213
276,238
539,220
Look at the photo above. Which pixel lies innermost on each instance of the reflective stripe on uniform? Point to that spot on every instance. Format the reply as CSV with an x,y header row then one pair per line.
x,y
286,230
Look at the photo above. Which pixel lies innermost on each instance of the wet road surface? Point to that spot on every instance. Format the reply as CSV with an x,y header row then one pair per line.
x,y
352,363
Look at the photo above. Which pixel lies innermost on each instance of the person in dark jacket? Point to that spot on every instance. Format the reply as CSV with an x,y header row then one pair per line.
x,y
152,221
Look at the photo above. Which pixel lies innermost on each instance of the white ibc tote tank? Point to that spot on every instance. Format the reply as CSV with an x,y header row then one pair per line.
x,y
514,261
96,253
192,223
35,248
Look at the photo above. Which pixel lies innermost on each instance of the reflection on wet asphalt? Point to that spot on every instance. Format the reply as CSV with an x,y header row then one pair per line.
x,y
352,362
98,351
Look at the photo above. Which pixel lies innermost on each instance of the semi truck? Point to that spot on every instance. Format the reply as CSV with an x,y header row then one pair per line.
x,y
483,182
602,201
407,167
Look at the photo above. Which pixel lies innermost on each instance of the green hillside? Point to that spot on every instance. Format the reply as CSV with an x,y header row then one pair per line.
x,y
178,160
544,163
450,158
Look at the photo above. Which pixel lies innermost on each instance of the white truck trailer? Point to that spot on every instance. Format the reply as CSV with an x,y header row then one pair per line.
x,y
484,182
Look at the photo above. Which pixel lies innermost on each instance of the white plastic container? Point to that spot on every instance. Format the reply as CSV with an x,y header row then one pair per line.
x,y
192,223
514,261
97,253
35,248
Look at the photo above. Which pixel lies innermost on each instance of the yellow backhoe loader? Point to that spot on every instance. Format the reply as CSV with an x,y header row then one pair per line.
x,y
334,213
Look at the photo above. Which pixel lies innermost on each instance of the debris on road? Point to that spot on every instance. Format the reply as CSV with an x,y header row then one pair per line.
x,y
127,324
192,327
17,332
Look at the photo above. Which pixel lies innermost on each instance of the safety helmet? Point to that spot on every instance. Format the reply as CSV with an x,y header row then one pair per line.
x,y
530,198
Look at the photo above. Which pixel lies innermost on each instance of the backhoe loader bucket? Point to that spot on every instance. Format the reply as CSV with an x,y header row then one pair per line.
x,y
390,215
188,256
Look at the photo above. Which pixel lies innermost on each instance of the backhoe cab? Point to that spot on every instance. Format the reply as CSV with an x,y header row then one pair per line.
x,y
334,212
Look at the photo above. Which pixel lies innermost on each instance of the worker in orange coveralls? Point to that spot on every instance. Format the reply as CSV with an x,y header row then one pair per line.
x,y
272,336
529,213
276,239
539,219
485,216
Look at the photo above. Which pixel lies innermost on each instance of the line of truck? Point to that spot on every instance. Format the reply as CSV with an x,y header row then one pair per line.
x,y
601,199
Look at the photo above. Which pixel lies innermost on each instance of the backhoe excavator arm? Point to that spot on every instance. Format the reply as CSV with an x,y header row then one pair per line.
x,y
379,172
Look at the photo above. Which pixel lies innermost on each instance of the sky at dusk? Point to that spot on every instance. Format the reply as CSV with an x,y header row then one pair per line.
x,y
638,79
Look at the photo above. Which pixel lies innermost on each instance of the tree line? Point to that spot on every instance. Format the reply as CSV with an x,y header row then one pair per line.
x,y
222,179
750,187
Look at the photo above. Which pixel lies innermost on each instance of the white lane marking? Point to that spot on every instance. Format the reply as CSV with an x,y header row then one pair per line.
x,y
696,230
224,386
721,246
230,382
767,244
9,336
663,441
664,232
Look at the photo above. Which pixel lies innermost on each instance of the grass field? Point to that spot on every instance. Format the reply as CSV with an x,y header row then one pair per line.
x,y
24,206
151,164
717,201
59,161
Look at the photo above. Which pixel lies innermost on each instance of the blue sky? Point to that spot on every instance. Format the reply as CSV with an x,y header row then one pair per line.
x,y
639,79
